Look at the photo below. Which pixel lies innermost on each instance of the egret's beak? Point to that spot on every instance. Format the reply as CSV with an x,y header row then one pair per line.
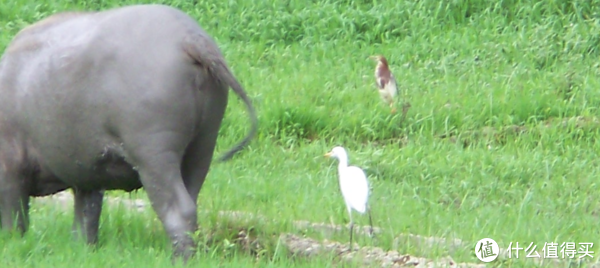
x,y
328,154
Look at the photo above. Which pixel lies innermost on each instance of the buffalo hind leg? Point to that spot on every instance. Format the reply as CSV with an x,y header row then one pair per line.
x,y
196,163
14,202
88,206
160,175
199,153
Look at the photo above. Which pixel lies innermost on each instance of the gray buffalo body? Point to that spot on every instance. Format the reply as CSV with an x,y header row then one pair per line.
x,y
121,99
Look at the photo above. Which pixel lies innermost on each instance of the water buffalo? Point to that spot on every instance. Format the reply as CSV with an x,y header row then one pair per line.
x,y
120,99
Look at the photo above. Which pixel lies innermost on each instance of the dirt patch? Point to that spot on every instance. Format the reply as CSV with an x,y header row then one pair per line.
x,y
309,248
365,256
64,200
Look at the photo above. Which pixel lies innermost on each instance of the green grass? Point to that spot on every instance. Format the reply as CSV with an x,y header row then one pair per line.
x,y
466,67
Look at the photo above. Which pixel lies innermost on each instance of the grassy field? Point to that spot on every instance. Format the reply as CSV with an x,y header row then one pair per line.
x,y
500,142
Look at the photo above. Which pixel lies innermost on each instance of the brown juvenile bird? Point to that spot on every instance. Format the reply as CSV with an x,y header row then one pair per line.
x,y
385,80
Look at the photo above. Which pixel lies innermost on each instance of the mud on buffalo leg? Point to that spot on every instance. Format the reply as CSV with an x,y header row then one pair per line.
x,y
14,201
161,176
88,206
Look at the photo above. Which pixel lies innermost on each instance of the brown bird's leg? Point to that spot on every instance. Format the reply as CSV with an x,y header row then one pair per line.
x,y
393,108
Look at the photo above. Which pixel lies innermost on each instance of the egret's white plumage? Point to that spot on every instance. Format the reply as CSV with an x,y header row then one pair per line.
x,y
353,185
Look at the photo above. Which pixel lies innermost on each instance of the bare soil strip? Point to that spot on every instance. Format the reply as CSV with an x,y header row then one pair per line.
x,y
309,248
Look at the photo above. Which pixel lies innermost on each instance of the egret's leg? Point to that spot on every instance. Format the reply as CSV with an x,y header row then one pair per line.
x,y
351,226
370,222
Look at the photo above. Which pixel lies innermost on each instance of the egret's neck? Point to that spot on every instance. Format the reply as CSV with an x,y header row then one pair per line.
x,y
343,161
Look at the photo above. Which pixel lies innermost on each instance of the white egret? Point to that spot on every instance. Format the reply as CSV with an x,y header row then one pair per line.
x,y
354,186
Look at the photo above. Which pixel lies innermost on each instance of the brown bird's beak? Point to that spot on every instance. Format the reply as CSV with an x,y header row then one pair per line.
x,y
328,154
373,57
